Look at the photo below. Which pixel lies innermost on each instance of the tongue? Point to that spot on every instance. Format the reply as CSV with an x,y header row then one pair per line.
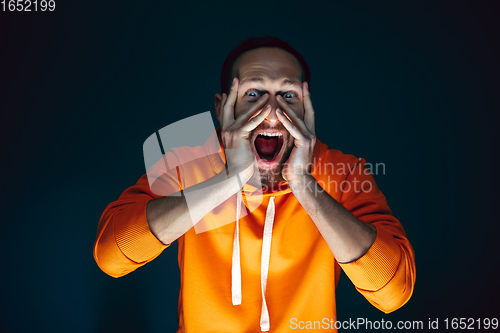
x,y
266,145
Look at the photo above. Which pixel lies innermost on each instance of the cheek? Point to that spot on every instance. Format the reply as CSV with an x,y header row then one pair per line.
x,y
240,108
299,111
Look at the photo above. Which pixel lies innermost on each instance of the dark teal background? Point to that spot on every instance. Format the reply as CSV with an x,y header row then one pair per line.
x,y
414,86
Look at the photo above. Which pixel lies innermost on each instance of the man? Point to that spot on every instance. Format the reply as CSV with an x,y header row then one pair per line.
x,y
310,211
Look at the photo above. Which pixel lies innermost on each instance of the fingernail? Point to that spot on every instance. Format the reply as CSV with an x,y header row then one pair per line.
x,y
278,111
234,81
268,106
307,86
280,98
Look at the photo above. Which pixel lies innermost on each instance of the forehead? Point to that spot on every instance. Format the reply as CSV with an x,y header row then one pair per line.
x,y
273,64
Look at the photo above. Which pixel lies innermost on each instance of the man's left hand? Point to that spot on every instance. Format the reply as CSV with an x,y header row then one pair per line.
x,y
299,162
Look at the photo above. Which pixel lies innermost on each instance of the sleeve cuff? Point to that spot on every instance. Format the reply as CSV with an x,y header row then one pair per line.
x,y
377,266
133,236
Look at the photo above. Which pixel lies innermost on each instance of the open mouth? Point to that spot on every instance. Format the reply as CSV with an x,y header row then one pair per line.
x,y
268,146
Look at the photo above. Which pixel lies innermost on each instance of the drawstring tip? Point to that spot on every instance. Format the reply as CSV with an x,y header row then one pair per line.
x,y
236,300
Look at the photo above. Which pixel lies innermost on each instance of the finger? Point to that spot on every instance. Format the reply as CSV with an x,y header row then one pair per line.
x,y
292,115
223,101
229,105
250,112
308,109
255,121
291,127
221,109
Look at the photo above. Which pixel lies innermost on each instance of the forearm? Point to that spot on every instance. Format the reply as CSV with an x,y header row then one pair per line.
x,y
171,217
347,236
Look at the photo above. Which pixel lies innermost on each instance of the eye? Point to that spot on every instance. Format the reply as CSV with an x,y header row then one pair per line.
x,y
289,95
253,93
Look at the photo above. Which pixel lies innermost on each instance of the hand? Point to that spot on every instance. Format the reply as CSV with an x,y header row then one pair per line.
x,y
236,132
299,162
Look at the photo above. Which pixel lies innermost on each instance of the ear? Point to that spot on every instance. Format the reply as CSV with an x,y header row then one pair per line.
x,y
218,101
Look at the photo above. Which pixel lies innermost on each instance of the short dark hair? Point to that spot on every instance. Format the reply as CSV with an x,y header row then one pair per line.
x,y
255,43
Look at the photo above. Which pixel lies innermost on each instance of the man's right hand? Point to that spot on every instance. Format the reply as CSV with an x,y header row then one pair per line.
x,y
236,132
171,217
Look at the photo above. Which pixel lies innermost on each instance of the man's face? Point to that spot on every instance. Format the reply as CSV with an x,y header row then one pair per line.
x,y
275,72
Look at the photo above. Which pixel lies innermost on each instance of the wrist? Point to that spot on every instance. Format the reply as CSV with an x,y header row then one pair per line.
x,y
302,182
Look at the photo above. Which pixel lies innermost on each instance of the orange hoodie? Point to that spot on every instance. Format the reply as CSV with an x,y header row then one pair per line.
x,y
302,271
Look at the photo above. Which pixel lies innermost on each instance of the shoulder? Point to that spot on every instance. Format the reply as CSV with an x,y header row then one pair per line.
x,y
333,161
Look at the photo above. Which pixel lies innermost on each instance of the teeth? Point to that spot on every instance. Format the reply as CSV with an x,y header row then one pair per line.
x,y
270,134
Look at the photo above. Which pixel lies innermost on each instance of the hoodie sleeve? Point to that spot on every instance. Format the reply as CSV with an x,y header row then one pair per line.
x,y
124,241
385,274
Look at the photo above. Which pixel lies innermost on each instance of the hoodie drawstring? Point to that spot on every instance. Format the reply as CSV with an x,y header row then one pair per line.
x,y
236,266
264,263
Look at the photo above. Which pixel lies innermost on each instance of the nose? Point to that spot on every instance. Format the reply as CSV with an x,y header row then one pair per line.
x,y
272,117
